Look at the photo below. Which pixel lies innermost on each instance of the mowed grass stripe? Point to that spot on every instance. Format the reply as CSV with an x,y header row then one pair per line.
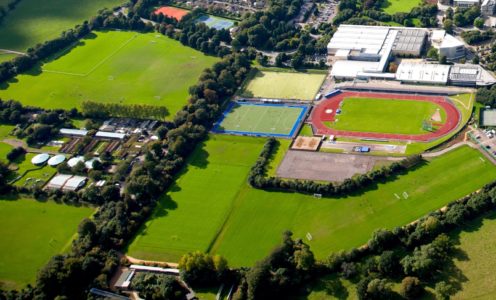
x,y
283,85
35,21
261,119
385,115
193,211
31,233
256,225
114,67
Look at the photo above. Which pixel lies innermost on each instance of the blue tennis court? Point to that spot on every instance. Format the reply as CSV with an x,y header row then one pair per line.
x,y
215,22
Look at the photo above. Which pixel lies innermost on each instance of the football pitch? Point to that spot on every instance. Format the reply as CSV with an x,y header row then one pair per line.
x,y
386,115
113,66
283,85
244,224
35,21
31,233
261,119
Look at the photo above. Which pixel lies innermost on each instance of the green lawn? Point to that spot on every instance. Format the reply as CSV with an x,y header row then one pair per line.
x,y
115,66
249,222
6,57
43,173
30,234
479,262
193,211
35,21
283,85
263,119
4,150
394,6
385,116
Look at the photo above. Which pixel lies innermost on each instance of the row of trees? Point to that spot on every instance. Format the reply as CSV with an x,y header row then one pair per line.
x,y
98,110
258,179
473,37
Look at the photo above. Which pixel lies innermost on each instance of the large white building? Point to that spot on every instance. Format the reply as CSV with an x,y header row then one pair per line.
x,y
365,51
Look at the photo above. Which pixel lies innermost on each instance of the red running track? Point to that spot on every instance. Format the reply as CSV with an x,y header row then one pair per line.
x,y
319,115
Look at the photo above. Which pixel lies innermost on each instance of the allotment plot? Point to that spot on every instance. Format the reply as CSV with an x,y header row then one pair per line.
x,y
261,119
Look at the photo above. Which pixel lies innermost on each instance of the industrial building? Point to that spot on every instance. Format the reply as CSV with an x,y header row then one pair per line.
x,y
365,51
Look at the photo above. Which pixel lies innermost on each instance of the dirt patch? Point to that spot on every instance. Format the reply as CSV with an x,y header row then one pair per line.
x,y
325,166
306,143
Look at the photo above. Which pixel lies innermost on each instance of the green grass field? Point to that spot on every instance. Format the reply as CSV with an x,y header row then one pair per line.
x,y
114,66
479,260
22,28
244,224
385,116
193,211
395,6
261,119
283,85
31,233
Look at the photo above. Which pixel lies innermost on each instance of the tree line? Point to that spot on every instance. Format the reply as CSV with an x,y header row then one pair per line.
x,y
258,176
8,7
98,110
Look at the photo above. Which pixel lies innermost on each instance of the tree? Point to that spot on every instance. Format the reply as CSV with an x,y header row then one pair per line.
x,y
443,60
86,227
479,23
388,263
443,290
202,270
379,289
433,53
411,288
158,286
448,25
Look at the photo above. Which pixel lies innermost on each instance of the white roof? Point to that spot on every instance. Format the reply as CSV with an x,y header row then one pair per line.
x,y
110,135
58,181
89,163
40,159
351,68
422,72
74,161
70,131
74,183
154,269
450,41
56,160
438,35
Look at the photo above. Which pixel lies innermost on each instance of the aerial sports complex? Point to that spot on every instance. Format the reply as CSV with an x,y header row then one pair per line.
x,y
437,116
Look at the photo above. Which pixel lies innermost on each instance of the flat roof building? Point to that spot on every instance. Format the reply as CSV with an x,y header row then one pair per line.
x,y
110,135
470,75
465,3
73,132
423,73
366,50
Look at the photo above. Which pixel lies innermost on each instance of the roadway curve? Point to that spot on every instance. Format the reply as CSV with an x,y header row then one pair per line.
x,y
319,116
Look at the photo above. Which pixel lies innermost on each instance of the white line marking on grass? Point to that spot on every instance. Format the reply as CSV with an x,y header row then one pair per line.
x,y
98,64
